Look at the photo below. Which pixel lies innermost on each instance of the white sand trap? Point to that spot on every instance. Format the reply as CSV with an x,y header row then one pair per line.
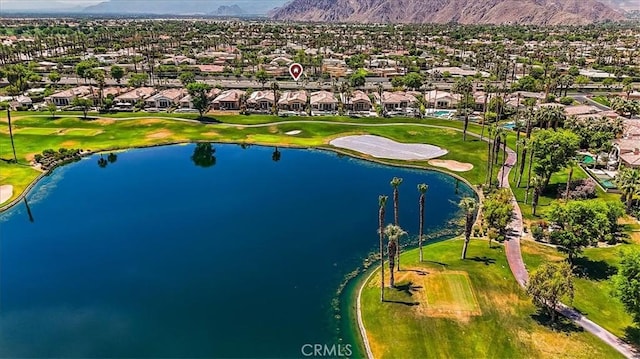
x,y
6,191
452,165
381,147
293,133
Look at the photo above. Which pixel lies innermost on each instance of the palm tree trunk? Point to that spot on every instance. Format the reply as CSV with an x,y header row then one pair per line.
x,y
15,158
523,161
566,193
420,230
526,194
391,252
381,229
395,219
490,163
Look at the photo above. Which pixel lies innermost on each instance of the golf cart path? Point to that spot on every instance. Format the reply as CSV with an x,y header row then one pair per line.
x,y
514,257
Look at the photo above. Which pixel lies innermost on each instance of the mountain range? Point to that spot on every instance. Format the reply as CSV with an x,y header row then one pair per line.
x,y
536,12
539,12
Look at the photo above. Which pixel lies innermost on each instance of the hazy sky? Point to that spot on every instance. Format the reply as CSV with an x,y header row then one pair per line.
x,y
47,4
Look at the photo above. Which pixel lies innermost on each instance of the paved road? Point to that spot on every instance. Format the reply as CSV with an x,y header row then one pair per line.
x,y
514,257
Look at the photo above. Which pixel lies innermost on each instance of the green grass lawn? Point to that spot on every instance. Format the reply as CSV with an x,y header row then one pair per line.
x,y
32,135
593,286
603,100
506,324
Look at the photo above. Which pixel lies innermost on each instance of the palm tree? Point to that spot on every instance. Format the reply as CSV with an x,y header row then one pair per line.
x,y
275,87
393,234
468,205
395,183
382,203
422,188
490,142
464,87
571,164
380,93
537,183
628,181
15,158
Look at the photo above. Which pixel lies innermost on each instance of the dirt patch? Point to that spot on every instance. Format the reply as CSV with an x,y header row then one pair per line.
x,y
30,156
553,345
149,121
440,294
273,129
6,192
159,135
451,165
104,121
69,144
413,133
211,134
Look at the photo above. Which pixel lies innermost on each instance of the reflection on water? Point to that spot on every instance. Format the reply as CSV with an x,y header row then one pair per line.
x,y
154,257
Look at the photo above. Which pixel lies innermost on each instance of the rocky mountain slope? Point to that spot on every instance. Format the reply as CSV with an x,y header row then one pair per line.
x,y
537,12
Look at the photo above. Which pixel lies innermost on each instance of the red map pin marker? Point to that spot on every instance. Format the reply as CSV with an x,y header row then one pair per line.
x,y
296,71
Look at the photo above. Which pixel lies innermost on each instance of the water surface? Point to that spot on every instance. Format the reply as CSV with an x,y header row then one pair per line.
x,y
151,255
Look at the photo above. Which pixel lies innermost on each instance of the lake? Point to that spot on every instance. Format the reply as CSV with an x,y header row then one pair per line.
x,y
169,252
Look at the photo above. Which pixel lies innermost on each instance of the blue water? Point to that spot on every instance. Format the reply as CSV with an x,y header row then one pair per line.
x,y
153,256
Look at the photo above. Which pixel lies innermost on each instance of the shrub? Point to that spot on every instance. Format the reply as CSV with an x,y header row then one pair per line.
x,y
579,189
566,100
538,231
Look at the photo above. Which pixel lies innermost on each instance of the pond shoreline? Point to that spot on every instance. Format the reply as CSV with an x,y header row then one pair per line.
x,y
5,207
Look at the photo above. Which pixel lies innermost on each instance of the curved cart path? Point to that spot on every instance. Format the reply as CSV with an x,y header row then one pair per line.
x,y
514,257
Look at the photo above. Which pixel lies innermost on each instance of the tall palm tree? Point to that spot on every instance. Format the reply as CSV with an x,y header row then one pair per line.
x,y
13,146
537,183
628,181
468,205
395,183
382,203
275,88
571,164
422,188
490,152
393,234
464,87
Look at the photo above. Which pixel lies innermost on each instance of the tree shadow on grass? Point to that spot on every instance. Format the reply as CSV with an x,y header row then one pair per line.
x,y
595,270
208,119
436,262
632,335
484,259
562,324
409,304
407,288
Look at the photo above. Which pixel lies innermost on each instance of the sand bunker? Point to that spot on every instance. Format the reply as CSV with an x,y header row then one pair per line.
x,y
452,165
293,133
6,191
381,147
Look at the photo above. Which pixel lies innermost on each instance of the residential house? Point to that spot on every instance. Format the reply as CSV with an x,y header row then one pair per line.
x,y
293,101
397,101
359,101
324,101
166,98
442,99
64,98
261,101
186,102
128,99
228,100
